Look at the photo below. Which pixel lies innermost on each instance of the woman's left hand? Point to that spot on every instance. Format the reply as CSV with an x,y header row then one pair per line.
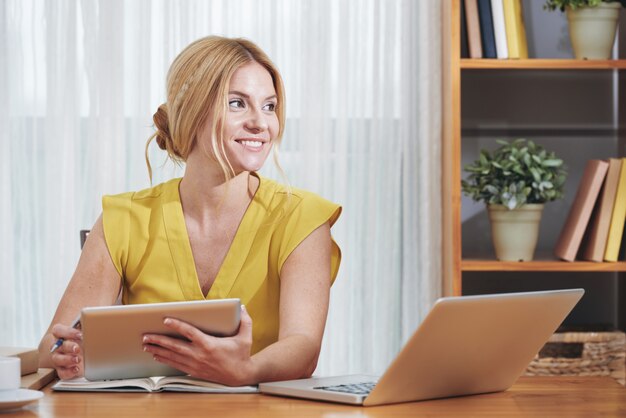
x,y
224,360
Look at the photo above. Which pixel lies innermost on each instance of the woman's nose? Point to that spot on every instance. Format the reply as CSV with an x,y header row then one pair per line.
x,y
256,121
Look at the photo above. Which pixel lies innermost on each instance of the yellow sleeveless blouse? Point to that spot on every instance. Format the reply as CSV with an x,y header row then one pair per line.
x,y
147,239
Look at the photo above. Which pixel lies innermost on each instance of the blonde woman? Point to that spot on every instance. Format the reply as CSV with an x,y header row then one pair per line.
x,y
221,231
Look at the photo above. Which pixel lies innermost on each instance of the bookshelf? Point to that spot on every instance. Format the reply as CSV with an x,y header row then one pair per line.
x,y
456,264
540,265
541,64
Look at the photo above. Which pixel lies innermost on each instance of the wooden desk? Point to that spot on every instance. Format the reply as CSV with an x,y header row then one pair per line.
x,y
530,396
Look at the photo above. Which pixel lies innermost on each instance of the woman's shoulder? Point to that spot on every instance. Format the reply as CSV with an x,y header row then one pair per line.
x,y
278,194
294,203
150,193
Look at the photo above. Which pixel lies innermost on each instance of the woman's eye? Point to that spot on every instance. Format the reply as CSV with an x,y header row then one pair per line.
x,y
236,103
270,107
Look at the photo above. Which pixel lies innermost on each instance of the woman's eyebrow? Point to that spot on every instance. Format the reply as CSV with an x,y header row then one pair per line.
x,y
246,96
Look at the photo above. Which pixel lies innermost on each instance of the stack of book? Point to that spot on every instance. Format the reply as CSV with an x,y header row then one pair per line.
x,y
594,227
32,376
493,29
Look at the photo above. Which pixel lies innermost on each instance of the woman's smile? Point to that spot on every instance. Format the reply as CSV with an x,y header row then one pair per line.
x,y
252,144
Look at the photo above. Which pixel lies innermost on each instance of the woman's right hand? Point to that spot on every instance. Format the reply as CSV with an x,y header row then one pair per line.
x,y
68,358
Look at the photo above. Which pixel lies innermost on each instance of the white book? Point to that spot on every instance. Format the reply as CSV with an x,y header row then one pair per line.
x,y
149,384
499,29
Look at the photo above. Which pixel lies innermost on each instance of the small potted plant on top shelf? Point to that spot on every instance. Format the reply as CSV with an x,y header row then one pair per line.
x,y
592,25
514,182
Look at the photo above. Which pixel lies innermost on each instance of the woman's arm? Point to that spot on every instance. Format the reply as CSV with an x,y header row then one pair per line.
x,y
95,282
304,296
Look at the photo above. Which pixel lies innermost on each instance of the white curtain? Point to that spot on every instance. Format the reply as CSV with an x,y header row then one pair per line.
x,y
80,80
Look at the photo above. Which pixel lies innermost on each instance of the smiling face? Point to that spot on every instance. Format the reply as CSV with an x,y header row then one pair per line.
x,y
250,122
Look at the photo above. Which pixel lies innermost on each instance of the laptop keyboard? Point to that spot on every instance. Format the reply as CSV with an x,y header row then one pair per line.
x,y
354,388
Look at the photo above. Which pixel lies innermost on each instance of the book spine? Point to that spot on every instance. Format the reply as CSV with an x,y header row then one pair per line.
x,y
521,30
616,229
473,29
515,29
464,45
499,29
572,233
486,29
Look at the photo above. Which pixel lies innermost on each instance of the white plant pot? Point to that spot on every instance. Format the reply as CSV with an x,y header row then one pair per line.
x,y
592,30
515,232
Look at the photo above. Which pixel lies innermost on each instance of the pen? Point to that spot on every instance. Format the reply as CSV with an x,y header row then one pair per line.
x,y
59,342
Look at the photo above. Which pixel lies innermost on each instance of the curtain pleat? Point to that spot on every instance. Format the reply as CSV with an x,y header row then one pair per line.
x,y
81,80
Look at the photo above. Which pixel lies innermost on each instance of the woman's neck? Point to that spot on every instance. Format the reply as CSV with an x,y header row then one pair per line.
x,y
205,194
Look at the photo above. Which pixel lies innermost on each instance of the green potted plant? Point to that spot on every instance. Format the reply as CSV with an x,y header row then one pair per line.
x,y
514,182
592,25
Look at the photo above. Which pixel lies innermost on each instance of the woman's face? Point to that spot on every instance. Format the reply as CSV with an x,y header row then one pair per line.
x,y
250,123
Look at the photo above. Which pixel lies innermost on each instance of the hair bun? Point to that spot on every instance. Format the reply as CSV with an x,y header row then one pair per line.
x,y
161,122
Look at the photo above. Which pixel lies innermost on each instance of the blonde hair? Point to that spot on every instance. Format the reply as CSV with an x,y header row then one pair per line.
x,y
197,88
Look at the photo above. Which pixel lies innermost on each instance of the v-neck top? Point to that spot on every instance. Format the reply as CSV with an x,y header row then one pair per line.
x,y
147,238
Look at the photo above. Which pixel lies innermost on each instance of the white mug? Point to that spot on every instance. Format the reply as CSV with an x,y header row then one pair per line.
x,y
10,373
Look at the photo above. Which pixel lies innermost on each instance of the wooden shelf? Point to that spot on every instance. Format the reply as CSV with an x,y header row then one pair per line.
x,y
541,64
540,265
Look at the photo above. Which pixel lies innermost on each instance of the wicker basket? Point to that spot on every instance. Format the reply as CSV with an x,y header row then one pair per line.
x,y
582,354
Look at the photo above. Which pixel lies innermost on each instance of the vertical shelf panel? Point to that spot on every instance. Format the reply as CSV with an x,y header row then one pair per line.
x,y
451,151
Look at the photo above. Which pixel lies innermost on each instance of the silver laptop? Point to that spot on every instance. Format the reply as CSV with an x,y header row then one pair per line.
x,y
466,345
112,335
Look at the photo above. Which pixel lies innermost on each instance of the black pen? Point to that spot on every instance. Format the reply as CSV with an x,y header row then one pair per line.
x,y
59,342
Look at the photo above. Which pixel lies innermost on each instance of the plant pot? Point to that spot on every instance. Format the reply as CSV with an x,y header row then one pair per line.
x,y
515,232
592,30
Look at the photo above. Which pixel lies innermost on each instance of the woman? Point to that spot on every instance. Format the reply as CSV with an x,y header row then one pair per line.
x,y
220,231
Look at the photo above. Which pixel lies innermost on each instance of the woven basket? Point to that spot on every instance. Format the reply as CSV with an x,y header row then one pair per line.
x,y
582,354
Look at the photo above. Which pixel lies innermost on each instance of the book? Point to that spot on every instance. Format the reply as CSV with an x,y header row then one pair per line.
x,y
37,380
517,44
488,40
588,190
149,384
473,29
622,249
594,243
499,29
616,228
29,358
464,45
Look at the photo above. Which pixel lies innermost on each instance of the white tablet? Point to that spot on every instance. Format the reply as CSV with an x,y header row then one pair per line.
x,y
112,335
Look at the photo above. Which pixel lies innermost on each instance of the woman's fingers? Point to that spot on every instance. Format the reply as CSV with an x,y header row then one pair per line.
x,y
186,330
68,358
66,332
201,355
69,347
172,344
166,353
68,373
245,326
65,360
244,335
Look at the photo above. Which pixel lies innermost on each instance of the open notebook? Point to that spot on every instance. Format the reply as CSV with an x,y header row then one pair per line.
x,y
149,384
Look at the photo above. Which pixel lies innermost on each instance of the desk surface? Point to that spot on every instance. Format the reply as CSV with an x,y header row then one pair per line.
x,y
530,396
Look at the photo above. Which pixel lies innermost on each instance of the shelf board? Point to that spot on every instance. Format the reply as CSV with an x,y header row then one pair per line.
x,y
541,64
540,265
554,130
